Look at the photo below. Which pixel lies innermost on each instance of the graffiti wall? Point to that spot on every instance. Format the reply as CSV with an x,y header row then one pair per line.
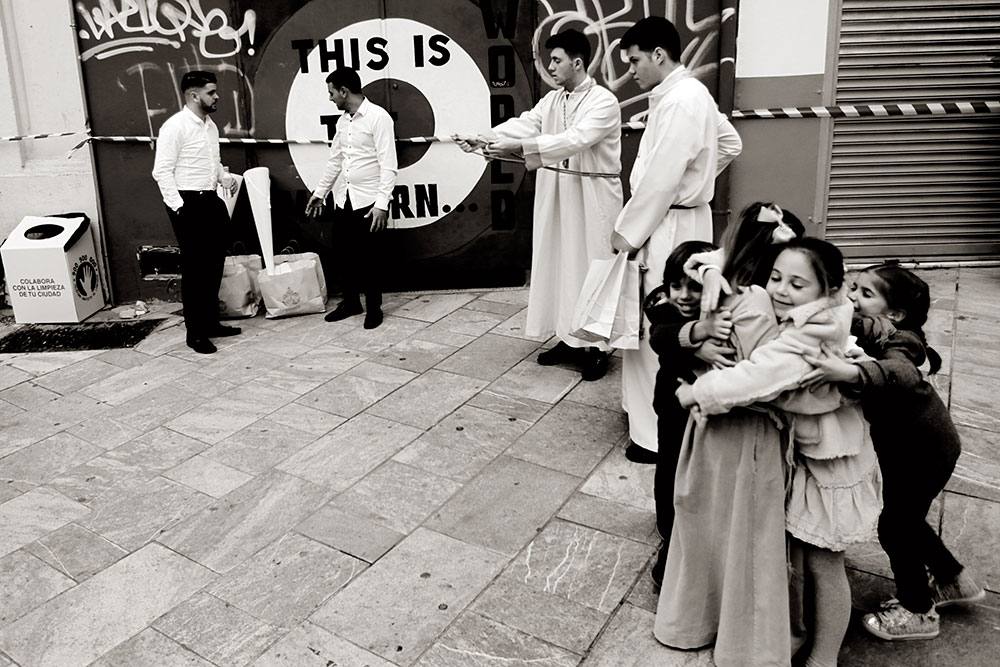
x,y
439,67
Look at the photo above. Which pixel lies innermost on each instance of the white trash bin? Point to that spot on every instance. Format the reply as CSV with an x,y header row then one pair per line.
x,y
51,269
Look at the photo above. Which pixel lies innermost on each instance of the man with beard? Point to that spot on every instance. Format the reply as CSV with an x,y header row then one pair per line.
x,y
187,169
575,132
361,171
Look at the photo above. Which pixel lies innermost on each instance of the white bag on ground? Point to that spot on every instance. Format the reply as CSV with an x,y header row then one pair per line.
x,y
294,286
239,293
607,310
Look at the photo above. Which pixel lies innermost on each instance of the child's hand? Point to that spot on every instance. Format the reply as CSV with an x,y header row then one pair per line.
x,y
685,395
716,354
829,368
713,286
719,325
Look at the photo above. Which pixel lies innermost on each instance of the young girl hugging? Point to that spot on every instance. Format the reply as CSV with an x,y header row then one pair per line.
x,y
834,489
726,578
916,443
683,343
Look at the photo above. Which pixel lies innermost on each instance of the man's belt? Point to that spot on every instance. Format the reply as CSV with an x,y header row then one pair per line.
x,y
679,207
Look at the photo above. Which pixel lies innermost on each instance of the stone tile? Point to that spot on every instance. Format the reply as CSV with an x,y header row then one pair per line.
x,y
571,438
977,472
40,363
156,451
392,331
8,410
503,508
70,409
968,635
619,480
44,460
433,307
463,443
10,376
76,551
155,408
977,294
513,407
428,399
586,566
605,393
628,642
554,618
488,357
973,404
643,595
127,384
104,432
396,496
970,532
34,514
25,583
138,512
517,297
200,384
977,350
210,477
283,584
430,577
124,358
514,326
10,489
260,446
149,647
24,428
414,354
469,322
84,623
351,534
475,640
350,451
98,476
452,338
309,645
278,344
28,395
362,386
608,516
541,383
77,376
313,369
219,632
243,366
216,420
162,340
233,528
303,418
497,307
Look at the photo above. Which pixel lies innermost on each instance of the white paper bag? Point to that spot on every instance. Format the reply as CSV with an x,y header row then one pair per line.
x,y
239,292
294,286
607,310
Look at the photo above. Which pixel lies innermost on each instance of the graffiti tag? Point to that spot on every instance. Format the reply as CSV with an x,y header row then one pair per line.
x,y
161,22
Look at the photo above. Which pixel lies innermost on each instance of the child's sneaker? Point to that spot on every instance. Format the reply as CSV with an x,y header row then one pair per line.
x,y
895,622
963,589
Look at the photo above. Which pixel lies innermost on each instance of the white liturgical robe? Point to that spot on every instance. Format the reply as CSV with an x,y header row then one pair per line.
x,y
573,214
686,143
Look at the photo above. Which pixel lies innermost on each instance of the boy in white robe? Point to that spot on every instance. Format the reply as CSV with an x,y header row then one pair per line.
x,y
686,143
577,128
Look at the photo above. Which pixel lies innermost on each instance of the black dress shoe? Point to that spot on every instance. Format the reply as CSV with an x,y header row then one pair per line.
x,y
595,364
560,354
201,345
343,311
373,318
223,331
639,454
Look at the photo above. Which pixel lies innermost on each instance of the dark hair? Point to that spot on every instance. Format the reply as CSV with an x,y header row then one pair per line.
x,y
825,258
652,32
750,248
345,77
196,79
673,269
573,42
905,292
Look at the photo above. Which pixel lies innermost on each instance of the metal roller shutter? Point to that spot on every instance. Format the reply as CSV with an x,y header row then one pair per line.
x,y
923,188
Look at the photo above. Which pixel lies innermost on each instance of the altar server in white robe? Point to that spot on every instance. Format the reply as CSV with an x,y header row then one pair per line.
x,y
576,127
686,143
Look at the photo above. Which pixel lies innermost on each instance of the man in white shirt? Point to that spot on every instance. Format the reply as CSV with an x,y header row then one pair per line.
x,y
576,128
685,145
361,171
187,169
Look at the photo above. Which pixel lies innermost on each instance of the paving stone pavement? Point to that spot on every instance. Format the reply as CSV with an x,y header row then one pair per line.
x,y
420,494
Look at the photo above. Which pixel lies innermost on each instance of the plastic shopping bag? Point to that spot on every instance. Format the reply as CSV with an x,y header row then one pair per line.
x,y
294,286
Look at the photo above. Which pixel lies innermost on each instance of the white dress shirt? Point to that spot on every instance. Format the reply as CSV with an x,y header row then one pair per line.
x,y
362,159
187,156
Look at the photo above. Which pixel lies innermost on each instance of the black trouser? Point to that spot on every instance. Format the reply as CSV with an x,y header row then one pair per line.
x,y
912,545
199,226
358,253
